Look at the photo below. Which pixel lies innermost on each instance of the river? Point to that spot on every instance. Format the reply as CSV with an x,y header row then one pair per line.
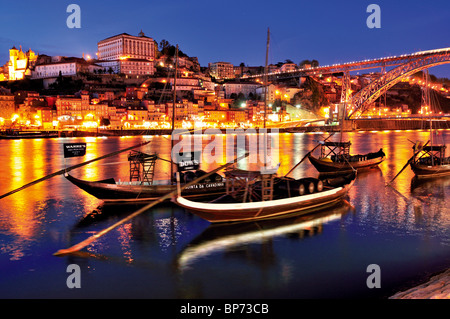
x,y
169,253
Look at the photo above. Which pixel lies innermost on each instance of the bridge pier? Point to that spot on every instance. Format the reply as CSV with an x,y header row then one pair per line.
x,y
348,125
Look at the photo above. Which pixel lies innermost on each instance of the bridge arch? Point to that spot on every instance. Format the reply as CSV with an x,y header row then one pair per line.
x,y
367,95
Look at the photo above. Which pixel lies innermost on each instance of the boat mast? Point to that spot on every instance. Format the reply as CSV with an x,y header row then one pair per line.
x,y
173,109
174,89
265,96
427,102
266,76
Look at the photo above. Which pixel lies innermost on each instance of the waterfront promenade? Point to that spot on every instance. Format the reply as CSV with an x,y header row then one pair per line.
x,y
353,125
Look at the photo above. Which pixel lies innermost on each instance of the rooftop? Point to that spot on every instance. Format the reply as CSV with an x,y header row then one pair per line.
x,y
141,35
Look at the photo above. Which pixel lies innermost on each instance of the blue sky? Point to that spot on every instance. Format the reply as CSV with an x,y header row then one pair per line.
x,y
234,31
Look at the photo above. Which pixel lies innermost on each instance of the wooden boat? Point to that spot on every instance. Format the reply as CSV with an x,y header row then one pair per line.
x,y
111,191
285,196
141,187
335,159
431,162
17,134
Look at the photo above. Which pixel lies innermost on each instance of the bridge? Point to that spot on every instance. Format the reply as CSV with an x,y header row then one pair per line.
x,y
402,66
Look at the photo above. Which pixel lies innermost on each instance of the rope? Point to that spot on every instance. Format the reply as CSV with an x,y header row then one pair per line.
x,y
62,171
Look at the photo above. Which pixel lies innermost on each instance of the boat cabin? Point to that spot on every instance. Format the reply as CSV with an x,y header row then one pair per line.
x,y
337,151
142,167
432,155
256,185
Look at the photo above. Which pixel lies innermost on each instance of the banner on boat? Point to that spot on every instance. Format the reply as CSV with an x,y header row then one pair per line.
x,y
74,149
187,161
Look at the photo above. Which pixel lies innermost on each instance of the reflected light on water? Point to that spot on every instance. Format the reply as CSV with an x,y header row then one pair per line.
x,y
124,240
404,229
194,252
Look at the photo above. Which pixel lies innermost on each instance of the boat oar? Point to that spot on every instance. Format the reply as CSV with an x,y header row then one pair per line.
x,y
60,172
307,154
407,163
99,234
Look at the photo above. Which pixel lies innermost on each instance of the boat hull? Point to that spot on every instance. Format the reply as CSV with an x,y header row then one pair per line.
x,y
251,211
328,167
430,171
111,192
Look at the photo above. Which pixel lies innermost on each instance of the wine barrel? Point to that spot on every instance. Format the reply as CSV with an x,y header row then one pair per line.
x,y
318,184
312,185
215,178
295,188
189,176
200,173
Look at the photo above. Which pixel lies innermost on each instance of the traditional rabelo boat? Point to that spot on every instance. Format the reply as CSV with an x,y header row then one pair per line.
x,y
430,162
255,195
13,134
142,187
335,158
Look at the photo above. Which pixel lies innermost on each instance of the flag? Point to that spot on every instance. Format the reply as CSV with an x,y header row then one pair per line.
x,y
74,149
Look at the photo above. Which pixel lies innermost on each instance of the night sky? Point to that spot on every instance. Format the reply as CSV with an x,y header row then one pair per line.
x,y
234,31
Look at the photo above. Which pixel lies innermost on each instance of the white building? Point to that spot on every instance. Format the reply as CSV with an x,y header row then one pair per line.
x,y
53,70
125,45
63,66
240,87
127,54
221,70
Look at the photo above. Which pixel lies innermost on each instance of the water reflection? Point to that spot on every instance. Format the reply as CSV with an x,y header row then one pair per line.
x,y
430,210
405,227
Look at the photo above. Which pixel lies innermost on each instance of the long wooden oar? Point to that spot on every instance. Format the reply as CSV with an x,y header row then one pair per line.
x,y
407,163
60,172
99,234
308,154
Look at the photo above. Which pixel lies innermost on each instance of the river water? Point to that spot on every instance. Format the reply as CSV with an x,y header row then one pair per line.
x,y
167,252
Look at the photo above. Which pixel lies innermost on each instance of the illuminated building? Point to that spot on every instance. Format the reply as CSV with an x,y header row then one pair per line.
x,y
127,54
7,106
221,70
72,106
288,67
20,63
240,87
64,66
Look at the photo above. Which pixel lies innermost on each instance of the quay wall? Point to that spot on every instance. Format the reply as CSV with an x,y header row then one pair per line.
x,y
350,125
396,124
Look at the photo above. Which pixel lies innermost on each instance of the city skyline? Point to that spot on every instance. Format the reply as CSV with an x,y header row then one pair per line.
x,y
235,32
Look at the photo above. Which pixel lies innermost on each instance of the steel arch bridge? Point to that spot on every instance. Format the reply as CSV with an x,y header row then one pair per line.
x,y
367,95
405,65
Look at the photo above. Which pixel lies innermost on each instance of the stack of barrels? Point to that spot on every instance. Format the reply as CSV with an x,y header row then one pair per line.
x,y
300,187
189,176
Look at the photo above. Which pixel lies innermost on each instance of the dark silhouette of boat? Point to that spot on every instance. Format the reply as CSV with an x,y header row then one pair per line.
x,y
335,158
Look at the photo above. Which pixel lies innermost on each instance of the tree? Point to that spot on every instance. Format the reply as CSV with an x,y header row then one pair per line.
x,y
163,45
242,65
312,63
304,62
105,122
